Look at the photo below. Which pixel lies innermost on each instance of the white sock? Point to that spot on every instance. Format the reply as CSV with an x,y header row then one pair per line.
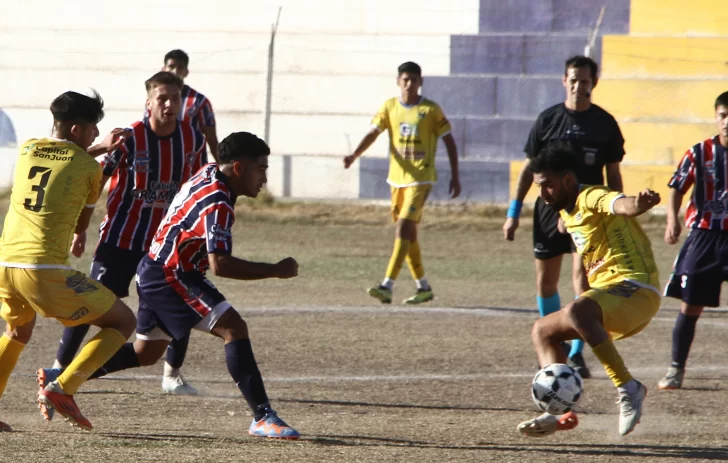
x,y
170,371
388,283
630,388
422,283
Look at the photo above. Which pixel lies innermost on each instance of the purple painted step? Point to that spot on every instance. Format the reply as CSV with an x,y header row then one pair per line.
x,y
515,53
553,16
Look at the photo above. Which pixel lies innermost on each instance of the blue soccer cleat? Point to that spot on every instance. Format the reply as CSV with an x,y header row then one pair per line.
x,y
45,376
272,426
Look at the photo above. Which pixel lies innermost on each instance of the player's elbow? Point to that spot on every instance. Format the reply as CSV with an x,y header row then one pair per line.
x,y
217,265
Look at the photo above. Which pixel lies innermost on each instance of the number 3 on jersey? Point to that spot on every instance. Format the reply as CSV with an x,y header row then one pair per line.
x,y
45,175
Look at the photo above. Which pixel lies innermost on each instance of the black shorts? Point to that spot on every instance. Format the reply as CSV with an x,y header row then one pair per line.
x,y
175,302
700,268
115,268
548,242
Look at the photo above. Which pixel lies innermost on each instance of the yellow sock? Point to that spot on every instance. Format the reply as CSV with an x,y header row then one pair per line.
x,y
92,357
414,261
401,247
10,350
613,363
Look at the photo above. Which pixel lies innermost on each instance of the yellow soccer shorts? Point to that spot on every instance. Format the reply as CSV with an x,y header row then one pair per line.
x,y
408,202
626,307
66,295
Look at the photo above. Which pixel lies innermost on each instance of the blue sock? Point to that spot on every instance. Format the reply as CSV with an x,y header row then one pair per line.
x,y
70,343
244,371
547,305
577,347
177,351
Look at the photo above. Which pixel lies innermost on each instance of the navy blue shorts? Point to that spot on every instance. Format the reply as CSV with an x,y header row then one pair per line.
x,y
115,268
548,241
171,303
700,268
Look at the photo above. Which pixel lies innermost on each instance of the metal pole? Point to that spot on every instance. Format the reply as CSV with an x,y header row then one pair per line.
x,y
269,77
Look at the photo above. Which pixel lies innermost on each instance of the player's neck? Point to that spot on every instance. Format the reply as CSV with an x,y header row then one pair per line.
x,y
723,140
161,129
409,100
579,106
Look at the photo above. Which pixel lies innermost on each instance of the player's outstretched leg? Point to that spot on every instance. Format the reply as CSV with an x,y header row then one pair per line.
x,y
12,343
173,382
116,324
547,424
682,339
244,370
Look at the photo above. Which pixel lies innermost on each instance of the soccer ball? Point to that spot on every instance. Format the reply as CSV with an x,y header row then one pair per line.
x,y
556,388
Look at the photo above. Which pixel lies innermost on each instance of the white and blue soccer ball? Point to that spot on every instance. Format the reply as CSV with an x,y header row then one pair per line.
x,y
557,388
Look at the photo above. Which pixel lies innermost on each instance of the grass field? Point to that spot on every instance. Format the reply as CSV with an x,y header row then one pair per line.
x,y
365,382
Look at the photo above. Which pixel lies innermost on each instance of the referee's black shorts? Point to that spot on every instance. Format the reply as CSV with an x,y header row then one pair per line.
x,y
548,242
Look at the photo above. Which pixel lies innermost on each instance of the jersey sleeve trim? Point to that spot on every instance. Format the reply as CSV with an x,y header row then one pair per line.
x,y
35,266
611,205
376,127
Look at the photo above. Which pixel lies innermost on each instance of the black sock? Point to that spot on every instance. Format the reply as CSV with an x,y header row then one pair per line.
x,y
242,367
123,359
682,338
176,352
70,343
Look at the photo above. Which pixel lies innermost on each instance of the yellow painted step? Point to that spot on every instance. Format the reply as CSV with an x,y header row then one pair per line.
x,y
634,177
686,100
678,17
635,56
662,143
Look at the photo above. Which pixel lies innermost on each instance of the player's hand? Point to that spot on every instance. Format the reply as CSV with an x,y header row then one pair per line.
x,y
454,188
113,140
349,160
287,268
78,246
672,232
646,200
509,229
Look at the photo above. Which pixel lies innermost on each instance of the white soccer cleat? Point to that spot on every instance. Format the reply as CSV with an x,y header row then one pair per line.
x,y
630,409
547,424
177,385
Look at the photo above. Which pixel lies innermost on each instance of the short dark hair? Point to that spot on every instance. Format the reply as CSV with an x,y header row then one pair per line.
x,y
163,78
557,157
722,100
178,55
580,61
241,145
76,107
409,67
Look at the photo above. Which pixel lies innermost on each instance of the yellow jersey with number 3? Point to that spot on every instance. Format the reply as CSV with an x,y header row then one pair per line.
x,y
413,134
614,247
54,181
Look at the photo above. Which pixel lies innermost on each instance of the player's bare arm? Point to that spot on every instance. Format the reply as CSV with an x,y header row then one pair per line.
x,y
364,144
210,132
78,245
112,141
632,206
614,176
227,266
452,154
673,228
525,179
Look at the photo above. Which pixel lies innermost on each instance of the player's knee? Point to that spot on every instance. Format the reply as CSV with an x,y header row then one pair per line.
x,y
692,310
231,326
539,332
119,317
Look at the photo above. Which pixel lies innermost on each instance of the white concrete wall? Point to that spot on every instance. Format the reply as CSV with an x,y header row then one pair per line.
x,y
335,60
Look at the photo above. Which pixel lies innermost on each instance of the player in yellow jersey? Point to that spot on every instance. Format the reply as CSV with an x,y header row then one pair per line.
x,y
56,185
623,278
414,125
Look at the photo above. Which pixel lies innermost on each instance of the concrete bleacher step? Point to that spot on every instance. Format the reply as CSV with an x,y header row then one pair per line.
x,y
552,16
678,17
516,53
673,99
664,56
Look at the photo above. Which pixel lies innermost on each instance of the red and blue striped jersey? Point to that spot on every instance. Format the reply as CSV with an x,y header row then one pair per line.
x,y
146,172
196,109
198,222
704,167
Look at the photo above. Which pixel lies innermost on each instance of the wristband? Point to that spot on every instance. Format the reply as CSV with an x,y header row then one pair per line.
x,y
514,210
